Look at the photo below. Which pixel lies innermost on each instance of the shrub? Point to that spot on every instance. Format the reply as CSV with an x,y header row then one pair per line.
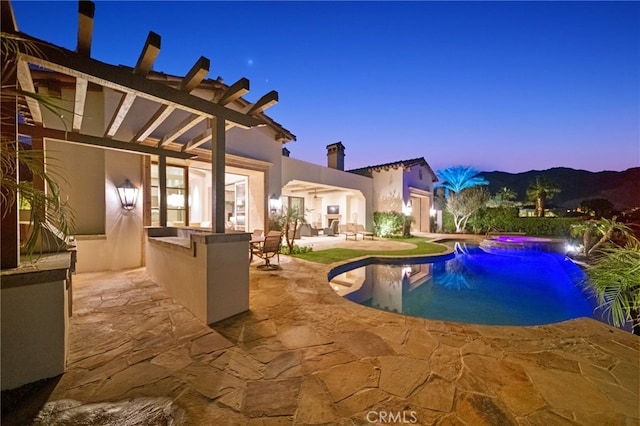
x,y
505,219
448,224
386,224
493,219
296,249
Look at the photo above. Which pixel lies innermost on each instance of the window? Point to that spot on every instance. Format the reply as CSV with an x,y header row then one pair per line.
x,y
296,203
189,198
235,202
177,194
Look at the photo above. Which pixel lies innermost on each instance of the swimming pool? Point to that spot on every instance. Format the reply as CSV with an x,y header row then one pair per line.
x,y
509,287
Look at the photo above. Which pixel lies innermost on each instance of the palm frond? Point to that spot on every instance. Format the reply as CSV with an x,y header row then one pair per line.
x,y
457,178
616,280
48,215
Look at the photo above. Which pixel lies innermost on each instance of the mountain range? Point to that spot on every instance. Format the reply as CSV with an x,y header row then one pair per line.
x,y
621,188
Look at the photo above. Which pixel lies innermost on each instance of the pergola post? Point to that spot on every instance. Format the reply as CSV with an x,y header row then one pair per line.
x,y
10,247
217,175
162,188
10,235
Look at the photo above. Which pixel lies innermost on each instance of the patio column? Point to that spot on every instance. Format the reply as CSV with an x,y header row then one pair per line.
x,y
162,188
217,175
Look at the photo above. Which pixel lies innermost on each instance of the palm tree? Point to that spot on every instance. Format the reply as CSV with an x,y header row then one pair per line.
x,y
457,178
541,190
611,231
587,230
616,280
506,194
47,213
288,222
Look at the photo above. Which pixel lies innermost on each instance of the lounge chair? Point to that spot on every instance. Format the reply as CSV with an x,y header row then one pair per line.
x,y
269,248
333,228
348,232
307,230
361,231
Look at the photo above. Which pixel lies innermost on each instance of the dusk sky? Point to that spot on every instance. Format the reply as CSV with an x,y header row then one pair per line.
x,y
510,86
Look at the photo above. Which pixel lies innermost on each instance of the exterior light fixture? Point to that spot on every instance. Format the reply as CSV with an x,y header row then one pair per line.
x,y
274,203
407,208
128,193
433,211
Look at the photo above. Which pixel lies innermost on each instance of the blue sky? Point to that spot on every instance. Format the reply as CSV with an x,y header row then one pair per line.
x,y
510,86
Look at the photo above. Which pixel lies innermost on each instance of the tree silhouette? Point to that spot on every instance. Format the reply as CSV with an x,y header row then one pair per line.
x,y
540,191
457,178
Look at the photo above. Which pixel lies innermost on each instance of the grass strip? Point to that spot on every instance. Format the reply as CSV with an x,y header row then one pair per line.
x,y
423,247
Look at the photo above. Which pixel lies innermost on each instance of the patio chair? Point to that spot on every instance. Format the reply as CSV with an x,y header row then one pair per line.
x,y
257,237
333,228
361,231
257,234
269,248
307,230
348,232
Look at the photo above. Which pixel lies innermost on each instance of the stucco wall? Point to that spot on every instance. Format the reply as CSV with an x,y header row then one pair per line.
x,y
412,179
34,332
210,278
120,246
388,190
260,144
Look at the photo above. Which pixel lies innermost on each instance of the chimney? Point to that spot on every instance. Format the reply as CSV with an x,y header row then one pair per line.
x,y
285,152
335,156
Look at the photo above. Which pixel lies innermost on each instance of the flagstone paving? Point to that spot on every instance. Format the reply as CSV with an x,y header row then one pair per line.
x,y
303,355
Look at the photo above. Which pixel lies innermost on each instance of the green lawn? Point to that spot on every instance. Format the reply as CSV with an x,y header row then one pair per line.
x,y
423,247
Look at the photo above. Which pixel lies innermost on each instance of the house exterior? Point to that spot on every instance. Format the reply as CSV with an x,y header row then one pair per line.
x,y
208,168
200,155
403,186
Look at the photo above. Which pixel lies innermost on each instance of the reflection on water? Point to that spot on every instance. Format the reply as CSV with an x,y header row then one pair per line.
x,y
474,287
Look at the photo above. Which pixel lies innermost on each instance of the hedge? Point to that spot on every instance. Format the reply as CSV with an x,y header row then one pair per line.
x,y
505,219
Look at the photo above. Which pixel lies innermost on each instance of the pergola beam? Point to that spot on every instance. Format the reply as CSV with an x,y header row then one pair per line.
x,y
148,55
234,92
26,82
86,11
156,120
78,103
41,132
67,62
193,78
196,74
121,112
186,125
267,101
205,137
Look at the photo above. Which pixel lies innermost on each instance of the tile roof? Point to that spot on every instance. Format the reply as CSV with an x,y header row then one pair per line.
x,y
368,171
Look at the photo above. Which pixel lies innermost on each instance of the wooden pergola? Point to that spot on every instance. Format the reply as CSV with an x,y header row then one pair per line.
x,y
182,125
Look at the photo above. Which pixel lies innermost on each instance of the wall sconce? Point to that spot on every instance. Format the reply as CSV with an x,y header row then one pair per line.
x,y
275,203
407,208
128,193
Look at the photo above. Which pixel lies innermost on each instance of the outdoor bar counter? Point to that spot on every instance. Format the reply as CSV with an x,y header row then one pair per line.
x,y
36,305
207,273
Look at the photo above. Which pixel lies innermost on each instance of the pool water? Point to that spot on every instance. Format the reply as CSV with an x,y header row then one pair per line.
x,y
499,288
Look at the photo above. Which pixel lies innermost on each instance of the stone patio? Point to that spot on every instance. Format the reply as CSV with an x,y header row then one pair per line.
x,y
303,355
